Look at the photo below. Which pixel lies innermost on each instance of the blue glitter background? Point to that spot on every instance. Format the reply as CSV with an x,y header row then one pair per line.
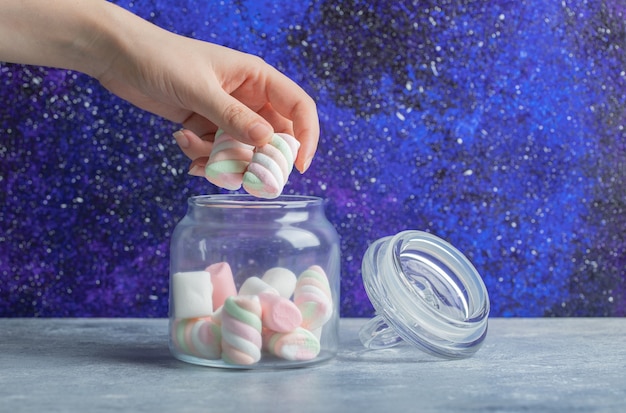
x,y
498,126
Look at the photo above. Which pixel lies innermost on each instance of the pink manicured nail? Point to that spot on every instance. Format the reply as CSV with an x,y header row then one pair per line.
x,y
196,170
306,166
181,139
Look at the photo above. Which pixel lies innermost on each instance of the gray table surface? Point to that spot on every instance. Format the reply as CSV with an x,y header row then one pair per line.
x,y
525,365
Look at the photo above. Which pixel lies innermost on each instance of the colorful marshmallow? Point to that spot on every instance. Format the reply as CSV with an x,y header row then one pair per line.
x,y
313,297
263,171
241,330
223,283
279,313
228,161
269,169
297,345
212,320
199,337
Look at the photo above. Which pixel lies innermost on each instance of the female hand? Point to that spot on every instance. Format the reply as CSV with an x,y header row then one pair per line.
x,y
204,87
198,84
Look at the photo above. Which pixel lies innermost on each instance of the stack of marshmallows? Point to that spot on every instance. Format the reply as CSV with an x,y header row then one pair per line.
x,y
262,171
279,314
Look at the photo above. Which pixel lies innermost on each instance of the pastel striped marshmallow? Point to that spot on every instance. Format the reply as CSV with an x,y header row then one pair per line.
x,y
297,345
228,161
313,297
241,330
271,164
199,337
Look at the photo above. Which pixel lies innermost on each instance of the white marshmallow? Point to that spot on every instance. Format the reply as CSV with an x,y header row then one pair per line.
x,y
282,279
192,294
255,286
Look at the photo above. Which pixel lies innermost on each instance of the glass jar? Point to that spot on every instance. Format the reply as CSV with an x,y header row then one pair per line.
x,y
254,283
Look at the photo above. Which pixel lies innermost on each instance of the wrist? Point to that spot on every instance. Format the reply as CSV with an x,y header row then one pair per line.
x,y
99,37
118,38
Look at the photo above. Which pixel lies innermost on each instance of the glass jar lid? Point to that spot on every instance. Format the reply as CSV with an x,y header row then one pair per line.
x,y
426,293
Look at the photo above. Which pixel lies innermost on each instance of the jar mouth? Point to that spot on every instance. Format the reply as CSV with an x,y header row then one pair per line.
x,y
250,201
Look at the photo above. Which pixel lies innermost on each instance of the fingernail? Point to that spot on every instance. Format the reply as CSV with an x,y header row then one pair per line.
x,y
306,165
259,132
181,139
196,170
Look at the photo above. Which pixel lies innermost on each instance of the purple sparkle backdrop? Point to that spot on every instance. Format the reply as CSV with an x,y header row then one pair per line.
x,y
498,126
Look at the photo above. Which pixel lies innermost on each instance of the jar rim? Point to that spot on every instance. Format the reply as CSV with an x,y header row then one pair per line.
x,y
250,201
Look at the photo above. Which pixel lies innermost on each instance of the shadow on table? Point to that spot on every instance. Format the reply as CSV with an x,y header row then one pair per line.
x,y
353,351
86,341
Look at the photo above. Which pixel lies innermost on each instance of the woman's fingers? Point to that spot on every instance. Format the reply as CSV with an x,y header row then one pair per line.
x,y
191,144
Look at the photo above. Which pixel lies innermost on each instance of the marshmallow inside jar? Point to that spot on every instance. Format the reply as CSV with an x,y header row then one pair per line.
x,y
254,282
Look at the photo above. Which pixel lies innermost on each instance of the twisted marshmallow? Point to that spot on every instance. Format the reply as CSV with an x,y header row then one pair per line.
x,y
241,330
270,166
297,345
228,161
199,337
313,297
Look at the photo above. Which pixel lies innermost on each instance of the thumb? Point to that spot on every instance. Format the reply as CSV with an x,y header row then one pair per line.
x,y
240,121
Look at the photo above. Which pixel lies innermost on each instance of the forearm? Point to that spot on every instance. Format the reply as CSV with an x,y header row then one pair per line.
x,y
72,34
